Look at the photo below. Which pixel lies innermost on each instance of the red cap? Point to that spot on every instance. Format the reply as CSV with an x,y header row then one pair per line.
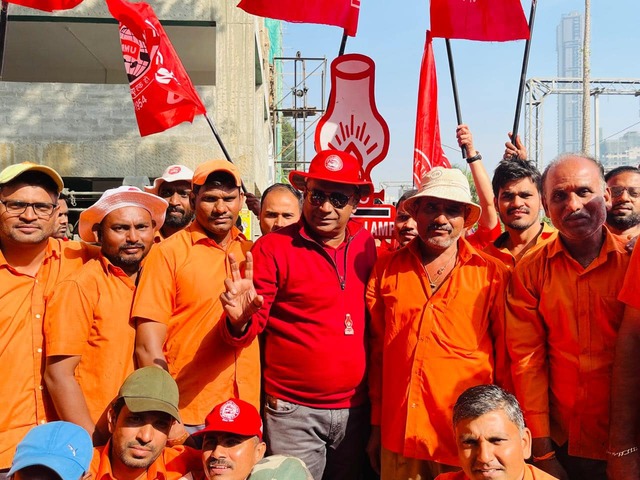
x,y
333,166
234,416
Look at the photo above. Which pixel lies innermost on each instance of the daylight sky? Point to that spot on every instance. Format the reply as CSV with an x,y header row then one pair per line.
x,y
393,32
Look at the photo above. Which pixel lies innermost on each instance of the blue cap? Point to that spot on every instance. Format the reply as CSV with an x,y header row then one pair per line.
x,y
63,447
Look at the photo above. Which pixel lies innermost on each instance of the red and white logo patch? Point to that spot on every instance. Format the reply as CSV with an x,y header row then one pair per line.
x,y
229,411
333,163
173,170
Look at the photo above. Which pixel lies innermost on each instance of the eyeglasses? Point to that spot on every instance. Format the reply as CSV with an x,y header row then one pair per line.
x,y
337,199
41,209
634,192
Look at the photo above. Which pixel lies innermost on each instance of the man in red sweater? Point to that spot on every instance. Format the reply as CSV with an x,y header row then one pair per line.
x,y
309,300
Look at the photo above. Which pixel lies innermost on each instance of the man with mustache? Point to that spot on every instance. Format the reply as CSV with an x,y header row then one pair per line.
x,y
492,439
89,340
623,216
175,187
177,311
516,189
140,420
404,225
233,449
32,263
437,328
562,323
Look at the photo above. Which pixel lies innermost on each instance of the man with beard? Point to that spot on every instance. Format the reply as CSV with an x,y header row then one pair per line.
x,y
516,188
175,187
62,220
177,310
89,340
140,420
437,328
562,323
32,263
623,216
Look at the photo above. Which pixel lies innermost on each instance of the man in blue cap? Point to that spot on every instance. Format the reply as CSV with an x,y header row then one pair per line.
x,y
53,451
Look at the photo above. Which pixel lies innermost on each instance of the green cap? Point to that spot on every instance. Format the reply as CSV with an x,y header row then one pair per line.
x,y
151,389
13,171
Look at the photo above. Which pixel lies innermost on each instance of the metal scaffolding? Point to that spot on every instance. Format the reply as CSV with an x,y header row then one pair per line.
x,y
302,83
537,89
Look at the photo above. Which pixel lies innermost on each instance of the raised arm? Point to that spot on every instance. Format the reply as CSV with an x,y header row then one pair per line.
x,y
489,217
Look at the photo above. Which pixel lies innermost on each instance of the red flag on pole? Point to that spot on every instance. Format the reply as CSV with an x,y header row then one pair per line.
x,y
162,92
47,5
342,13
428,151
484,20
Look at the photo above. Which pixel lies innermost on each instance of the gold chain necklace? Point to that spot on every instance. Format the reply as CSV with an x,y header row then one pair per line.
x,y
433,283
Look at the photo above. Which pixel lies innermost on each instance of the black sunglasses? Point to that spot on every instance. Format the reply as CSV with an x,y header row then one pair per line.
x,y
337,199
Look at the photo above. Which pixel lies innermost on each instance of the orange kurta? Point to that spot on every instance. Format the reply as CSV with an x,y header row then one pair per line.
x,y
426,349
172,464
630,293
498,250
530,473
562,324
88,316
180,286
23,301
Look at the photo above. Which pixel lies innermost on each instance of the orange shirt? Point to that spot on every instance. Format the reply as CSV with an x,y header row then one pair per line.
x,y
530,473
630,293
173,463
426,349
562,324
88,315
23,301
497,249
180,286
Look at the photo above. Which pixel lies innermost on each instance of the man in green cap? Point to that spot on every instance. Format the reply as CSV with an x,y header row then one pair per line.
x,y
139,422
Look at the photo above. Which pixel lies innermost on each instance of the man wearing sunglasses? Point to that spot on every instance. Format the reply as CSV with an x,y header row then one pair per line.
x,y
308,298
623,215
32,264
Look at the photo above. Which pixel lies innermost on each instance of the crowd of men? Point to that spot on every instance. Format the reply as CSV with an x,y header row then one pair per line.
x,y
165,331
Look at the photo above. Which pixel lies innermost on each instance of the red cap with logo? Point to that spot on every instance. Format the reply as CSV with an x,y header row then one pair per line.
x,y
333,166
234,416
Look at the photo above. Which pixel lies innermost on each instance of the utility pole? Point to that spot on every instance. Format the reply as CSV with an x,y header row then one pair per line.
x,y
586,72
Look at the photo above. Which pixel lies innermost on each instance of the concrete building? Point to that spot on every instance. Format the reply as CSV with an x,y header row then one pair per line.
x,y
625,150
66,102
569,36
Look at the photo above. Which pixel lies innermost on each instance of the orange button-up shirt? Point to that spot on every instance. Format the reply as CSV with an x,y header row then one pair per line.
x,y
180,286
530,473
562,324
630,293
497,249
88,316
174,463
23,301
426,349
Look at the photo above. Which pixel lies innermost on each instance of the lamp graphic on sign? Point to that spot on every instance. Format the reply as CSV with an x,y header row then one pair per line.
x,y
352,122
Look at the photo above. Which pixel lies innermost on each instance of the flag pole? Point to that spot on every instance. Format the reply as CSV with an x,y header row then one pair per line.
x,y
224,149
343,43
454,84
3,32
523,73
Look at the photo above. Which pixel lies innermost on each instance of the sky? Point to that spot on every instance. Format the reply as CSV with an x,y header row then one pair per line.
x,y
393,33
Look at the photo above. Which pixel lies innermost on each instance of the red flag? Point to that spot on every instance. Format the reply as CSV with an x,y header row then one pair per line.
x,y
428,151
162,92
484,20
47,5
342,13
